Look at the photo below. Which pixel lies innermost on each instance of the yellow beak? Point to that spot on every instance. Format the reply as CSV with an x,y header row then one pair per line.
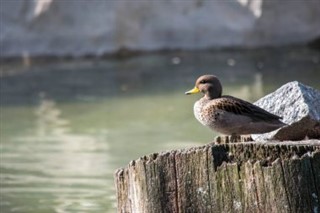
x,y
193,91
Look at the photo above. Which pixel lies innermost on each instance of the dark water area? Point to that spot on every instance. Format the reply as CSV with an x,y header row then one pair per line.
x,y
66,126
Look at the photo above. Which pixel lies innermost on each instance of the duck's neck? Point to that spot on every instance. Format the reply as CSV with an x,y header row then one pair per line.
x,y
210,96
213,93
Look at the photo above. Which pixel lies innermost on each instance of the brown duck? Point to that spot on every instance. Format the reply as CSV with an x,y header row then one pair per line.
x,y
229,115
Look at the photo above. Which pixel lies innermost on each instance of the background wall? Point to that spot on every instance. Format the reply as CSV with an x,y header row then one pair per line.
x,y
75,28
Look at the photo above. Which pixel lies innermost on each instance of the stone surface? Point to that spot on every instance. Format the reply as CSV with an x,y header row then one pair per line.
x,y
76,28
299,106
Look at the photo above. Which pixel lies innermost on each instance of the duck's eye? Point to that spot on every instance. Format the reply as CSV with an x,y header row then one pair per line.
x,y
202,82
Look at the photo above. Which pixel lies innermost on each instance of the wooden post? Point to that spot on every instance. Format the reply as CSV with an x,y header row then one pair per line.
x,y
231,177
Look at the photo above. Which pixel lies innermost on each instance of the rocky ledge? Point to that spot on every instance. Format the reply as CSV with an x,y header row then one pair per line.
x,y
299,106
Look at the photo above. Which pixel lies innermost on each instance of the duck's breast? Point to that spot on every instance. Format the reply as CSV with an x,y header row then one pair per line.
x,y
198,110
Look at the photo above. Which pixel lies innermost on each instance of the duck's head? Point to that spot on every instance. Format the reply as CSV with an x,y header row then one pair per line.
x,y
209,85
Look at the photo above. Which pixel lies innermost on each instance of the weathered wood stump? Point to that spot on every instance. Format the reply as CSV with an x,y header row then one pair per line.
x,y
230,177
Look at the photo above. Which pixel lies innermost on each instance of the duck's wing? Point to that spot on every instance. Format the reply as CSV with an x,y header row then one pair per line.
x,y
241,107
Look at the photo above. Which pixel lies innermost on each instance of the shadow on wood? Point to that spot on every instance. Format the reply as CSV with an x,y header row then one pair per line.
x,y
231,177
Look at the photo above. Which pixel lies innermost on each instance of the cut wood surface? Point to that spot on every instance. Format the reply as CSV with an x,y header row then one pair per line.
x,y
230,177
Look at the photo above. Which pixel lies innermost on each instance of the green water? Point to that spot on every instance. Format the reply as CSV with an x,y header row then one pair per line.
x,y
67,126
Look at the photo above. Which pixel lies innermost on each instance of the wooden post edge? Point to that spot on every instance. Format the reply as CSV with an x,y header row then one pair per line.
x,y
231,177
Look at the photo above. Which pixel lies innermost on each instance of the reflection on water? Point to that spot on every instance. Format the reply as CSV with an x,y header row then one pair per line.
x,y
49,123
66,127
51,161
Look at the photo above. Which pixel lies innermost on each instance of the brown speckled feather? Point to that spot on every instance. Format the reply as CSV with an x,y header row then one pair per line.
x,y
241,107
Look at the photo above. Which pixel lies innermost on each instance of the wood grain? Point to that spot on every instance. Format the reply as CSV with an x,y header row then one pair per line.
x,y
225,177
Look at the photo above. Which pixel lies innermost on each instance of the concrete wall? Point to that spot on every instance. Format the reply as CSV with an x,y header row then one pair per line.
x,y
77,27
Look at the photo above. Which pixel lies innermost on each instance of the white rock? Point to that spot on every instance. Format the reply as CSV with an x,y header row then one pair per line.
x,y
299,106
52,27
